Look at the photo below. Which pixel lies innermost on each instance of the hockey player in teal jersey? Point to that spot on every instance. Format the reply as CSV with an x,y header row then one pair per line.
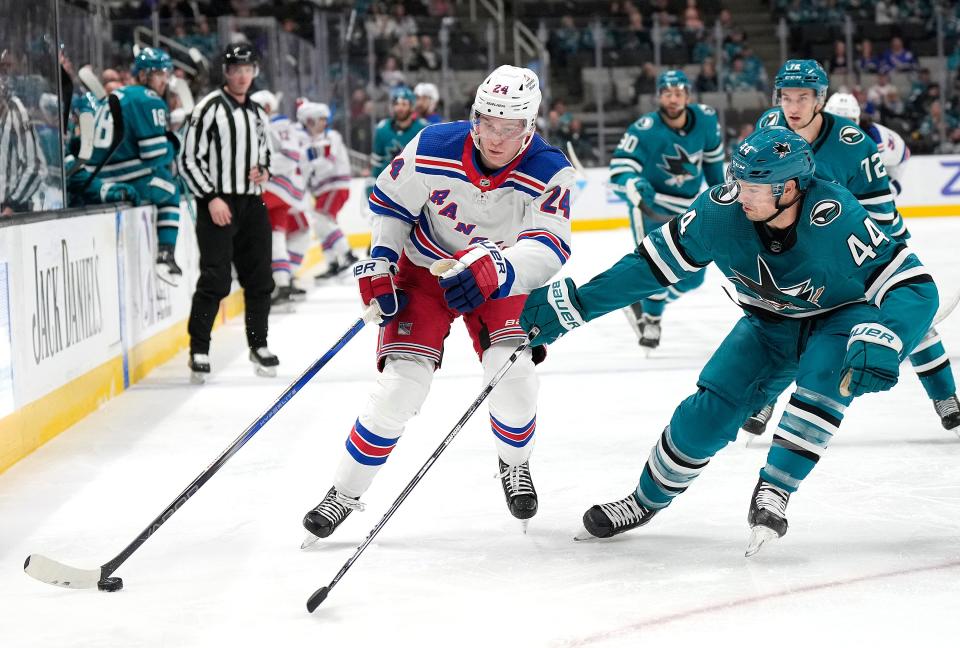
x,y
658,169
394,133
829,301
847,155
143,156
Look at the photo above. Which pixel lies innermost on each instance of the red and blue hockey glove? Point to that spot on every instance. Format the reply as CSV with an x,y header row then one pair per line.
x,y
554,309
872,363
480,271
375,279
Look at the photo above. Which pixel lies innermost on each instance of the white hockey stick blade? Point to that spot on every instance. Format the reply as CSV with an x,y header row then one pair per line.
x,y
946,309
52,572
759,535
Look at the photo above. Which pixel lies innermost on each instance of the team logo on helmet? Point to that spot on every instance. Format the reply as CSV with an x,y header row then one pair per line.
x,y
851,135
782,149
769,120
825,212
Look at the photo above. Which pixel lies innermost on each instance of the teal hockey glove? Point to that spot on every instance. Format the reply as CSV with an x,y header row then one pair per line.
x,y
640,191
554,309
119,192
872,363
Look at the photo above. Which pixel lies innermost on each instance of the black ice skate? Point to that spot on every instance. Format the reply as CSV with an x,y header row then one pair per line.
x,y
325,517
296,292
167,269
608,520
757,424
264,362
282,300
337,266
948,410
649,332
199,364
767,516
518,489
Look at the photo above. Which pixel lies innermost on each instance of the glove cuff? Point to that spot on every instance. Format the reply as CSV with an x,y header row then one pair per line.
x,y
875,333
564,304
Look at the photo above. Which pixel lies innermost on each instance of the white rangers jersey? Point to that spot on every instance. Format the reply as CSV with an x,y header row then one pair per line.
x,y
893,151
288,140
433,200
330,166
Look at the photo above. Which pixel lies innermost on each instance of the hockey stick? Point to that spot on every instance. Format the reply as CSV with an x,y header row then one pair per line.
x,y
116,115
53,572
946,309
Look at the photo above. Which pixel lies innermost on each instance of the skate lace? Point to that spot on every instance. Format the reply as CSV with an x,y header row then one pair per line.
x,y
764,414
624,512
517,479
335,506
947,406
773,499
651,327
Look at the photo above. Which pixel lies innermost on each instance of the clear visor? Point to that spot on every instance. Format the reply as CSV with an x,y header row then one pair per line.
x,y
237,69
162,73
733,187
500,129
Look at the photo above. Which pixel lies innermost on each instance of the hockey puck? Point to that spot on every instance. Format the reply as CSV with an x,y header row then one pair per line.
x,y
110,584
317,598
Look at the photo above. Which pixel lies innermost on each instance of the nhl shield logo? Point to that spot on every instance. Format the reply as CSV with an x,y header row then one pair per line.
x,y
825,212
851,135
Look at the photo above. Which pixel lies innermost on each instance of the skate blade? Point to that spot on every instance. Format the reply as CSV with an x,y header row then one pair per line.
x,y
197,378
759,535
523,526
632,321
583,535
265,372
648,352
168,278
309,541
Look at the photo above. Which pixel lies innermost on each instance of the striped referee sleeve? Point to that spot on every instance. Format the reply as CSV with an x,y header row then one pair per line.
x,y
198,160
21,161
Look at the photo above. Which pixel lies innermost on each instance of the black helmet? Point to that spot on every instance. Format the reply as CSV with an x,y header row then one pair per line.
x,y
241,54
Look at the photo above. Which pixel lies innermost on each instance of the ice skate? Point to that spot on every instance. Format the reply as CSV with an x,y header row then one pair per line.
x,y
282,300
325,517
519,491
264,362
336,267
296,292
649,333
633,313
167,269
757,424
767,516
199,364
948,410
608,520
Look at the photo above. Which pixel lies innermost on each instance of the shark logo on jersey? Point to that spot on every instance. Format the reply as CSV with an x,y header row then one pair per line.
x,y
725,194
769,120
825,212
802,296
851,135
683,167
782,149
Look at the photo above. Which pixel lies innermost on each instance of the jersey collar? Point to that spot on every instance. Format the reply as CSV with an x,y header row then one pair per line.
x,y
477,177
825,129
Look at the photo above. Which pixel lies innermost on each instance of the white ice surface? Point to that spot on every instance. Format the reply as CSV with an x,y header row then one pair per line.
x,y
872,555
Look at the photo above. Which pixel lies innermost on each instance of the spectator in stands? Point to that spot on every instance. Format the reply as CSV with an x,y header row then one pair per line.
x,y
692,20
868,61
636,35
707,80
920,84
928,133
702,49
886,12
390,74
558,120
646,82
838,63
725,18
564,45
754,68
734,44
428,57
898,58
407,52
893,106
736,79
404,25
878,92
439,8
581,144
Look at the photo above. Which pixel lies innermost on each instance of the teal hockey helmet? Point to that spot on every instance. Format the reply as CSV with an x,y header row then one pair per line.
x,y
773,156
673,79
801,73
402,92
151,58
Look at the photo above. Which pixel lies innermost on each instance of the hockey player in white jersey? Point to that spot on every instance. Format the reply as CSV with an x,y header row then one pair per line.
x,y
283,195
493,197
327,169
894,152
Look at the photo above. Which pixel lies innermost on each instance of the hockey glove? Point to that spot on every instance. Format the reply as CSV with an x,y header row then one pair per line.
x,y
481,270
872,363
554,309
119,192
639,190
375,279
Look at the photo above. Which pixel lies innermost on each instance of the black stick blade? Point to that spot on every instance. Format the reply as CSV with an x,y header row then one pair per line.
x,y
317,598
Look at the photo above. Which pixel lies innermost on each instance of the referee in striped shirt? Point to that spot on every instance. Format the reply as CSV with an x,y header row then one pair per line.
x,y
21,160
224,160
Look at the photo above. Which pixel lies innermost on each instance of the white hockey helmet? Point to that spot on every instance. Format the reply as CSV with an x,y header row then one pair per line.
x,y
843,104
309,110
267,100
509,93
428,90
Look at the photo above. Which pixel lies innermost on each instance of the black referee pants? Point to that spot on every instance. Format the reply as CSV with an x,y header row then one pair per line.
x,y
246,242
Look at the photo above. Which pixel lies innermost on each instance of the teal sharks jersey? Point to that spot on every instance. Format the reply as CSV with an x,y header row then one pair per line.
x,y
674,161
848,156
389,140
834,256
144,149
